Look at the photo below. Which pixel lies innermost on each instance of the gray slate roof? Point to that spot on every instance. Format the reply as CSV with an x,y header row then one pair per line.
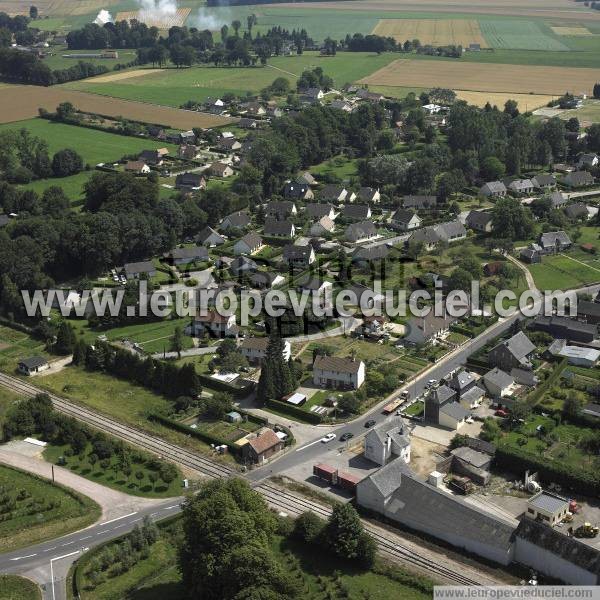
x,y
418,502
318,210
548,240
274,227
567,548
498,377
33,362
454,410
519,345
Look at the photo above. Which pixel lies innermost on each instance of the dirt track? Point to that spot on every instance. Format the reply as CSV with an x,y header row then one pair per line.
x,y
21,102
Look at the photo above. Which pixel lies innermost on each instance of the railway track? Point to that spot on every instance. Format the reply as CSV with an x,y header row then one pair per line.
x,y
278,498
296,505
142,439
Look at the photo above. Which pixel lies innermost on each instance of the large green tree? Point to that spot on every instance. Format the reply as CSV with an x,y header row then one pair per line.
x,y
227,529
275,378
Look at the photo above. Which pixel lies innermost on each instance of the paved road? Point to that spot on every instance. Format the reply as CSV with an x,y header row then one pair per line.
x,y
35,560
31,560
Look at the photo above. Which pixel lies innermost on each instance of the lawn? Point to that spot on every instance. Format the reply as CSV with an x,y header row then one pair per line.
x,y
116,398
562,273
94,146
72,186
152,336
14,587
590,111
137,483
173,87
33,510
7,399
15,345
415,409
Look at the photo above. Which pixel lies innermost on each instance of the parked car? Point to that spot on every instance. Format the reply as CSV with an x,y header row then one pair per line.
x,y
346,436
370,423
327,438
501,413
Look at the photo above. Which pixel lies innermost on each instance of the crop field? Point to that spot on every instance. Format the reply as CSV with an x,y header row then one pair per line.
x,y
519,35
575,30
151,18
477,77
55,7
555,9
21,102
173,87
526,102
437,32
94,146
124,75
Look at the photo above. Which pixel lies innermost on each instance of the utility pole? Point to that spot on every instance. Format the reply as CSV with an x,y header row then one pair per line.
x,y
52,473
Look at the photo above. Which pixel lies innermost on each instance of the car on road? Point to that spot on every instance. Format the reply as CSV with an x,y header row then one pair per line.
x,y
370,423
327,438
346,436
431,383
469,420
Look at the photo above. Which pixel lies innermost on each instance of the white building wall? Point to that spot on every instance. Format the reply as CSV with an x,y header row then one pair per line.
x,y
550,564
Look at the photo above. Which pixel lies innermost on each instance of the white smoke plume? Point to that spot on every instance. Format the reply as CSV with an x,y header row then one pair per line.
x,y
156,10
103,17
213,21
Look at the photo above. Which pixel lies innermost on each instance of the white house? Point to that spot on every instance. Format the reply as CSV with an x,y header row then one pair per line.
x,y
249,244
255,349
33,365
214,324
405,220
388,440
498,383
338,372
209,237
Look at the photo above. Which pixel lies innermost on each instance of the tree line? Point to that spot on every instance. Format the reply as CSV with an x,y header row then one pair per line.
x,y
26,67
161,377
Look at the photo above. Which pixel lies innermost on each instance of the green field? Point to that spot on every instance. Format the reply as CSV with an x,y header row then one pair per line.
x,y
151,336
94,146
112,476
14,587
562,273
60,60
34,510
7,399
72,186
15,345
117,398
512,34
174,87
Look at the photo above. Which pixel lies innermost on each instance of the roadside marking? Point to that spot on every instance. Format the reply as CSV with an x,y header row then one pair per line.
x,y
118,526
101,532
68,543
22,557
308,445
171,507
87,537
119,518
